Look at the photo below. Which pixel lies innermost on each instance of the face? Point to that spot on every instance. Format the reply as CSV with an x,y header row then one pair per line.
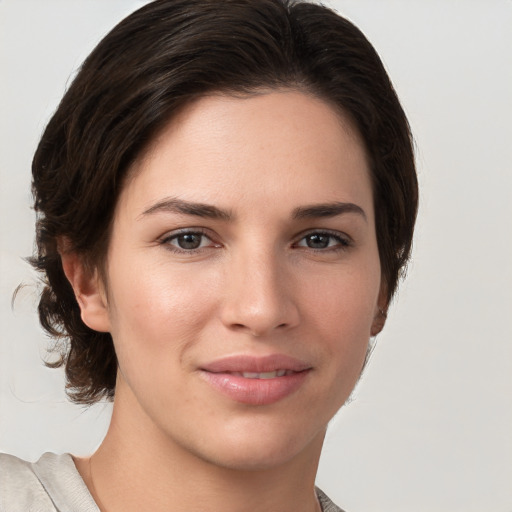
x,y
243,277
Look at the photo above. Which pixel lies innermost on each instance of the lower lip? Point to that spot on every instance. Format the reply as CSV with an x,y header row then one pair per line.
x,y
255,391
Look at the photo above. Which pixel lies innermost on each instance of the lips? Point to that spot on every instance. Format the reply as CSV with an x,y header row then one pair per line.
x,y
262,375
256,380
255,364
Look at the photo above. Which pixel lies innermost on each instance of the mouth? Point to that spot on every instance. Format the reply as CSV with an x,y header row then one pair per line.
x,y
250,366
256,380
262,375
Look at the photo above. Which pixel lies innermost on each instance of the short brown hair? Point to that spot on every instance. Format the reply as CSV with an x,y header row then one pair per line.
x,y
155,61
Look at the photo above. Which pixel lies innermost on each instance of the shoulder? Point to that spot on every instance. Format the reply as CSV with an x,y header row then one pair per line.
x,y
52,484
20,487
326,503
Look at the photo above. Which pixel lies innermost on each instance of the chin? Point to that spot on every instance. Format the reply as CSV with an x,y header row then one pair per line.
x,y
250,461
260,451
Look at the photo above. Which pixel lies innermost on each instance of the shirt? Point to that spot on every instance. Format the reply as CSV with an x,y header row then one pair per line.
x,y
53,484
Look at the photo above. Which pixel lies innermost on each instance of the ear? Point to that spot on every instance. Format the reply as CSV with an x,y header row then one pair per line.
x,y
89,292
381,311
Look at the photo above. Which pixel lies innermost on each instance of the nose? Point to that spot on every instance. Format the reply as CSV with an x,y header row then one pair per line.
x,y
259,296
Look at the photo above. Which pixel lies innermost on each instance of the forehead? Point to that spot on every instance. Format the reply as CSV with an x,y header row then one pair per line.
x,y
253,147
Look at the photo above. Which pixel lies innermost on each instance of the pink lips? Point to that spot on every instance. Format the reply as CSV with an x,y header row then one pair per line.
x,y
256,380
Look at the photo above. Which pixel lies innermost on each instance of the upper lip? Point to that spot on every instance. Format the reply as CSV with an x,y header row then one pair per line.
x,y
255,364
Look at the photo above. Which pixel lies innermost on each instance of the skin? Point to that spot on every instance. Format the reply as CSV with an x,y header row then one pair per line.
x,y
256,285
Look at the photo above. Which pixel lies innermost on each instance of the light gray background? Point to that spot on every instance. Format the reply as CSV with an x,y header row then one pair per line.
x,y
430,428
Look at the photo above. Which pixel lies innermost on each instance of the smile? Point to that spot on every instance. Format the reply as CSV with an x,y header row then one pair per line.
x,y
263,375
256,380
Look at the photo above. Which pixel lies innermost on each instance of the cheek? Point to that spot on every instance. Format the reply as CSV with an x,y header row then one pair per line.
x,y
157,313
341,310
346,298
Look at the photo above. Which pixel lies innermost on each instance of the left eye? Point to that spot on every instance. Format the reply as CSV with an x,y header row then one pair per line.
x,y
188,241
322,241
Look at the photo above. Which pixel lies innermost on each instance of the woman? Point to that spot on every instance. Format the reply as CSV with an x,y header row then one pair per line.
x,y
226,200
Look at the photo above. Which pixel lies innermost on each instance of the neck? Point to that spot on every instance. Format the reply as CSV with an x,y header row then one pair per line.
x,y
138,467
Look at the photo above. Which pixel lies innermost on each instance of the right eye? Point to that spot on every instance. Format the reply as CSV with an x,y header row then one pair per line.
x,y
187,241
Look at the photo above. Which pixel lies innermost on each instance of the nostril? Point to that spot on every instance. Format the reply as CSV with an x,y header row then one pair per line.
x,y
254,329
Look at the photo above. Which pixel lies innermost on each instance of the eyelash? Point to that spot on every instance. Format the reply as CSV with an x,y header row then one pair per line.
x,y
167,240
343,242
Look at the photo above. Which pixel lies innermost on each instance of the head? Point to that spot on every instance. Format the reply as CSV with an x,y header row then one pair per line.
x,y
148,70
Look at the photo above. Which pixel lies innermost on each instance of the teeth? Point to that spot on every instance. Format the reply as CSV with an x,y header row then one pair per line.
x,y
262,375
266,375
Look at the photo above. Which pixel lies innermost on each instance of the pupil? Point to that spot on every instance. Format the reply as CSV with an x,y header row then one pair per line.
x,y
318,241
189,241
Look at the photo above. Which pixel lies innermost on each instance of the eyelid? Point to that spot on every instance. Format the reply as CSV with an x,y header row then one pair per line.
x,y
166,239
183,231
345,240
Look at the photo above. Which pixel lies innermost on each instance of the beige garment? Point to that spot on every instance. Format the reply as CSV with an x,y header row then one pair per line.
x,y
53,484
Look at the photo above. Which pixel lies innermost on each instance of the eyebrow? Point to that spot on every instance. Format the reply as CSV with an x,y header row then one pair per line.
x,y
175,205
327,210
180,206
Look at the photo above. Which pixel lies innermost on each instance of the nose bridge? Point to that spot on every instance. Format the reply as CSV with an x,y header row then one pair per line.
x,y
258,295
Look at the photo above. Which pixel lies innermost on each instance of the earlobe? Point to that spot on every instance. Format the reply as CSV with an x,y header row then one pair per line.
x,y
381,313
379,320
89,292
